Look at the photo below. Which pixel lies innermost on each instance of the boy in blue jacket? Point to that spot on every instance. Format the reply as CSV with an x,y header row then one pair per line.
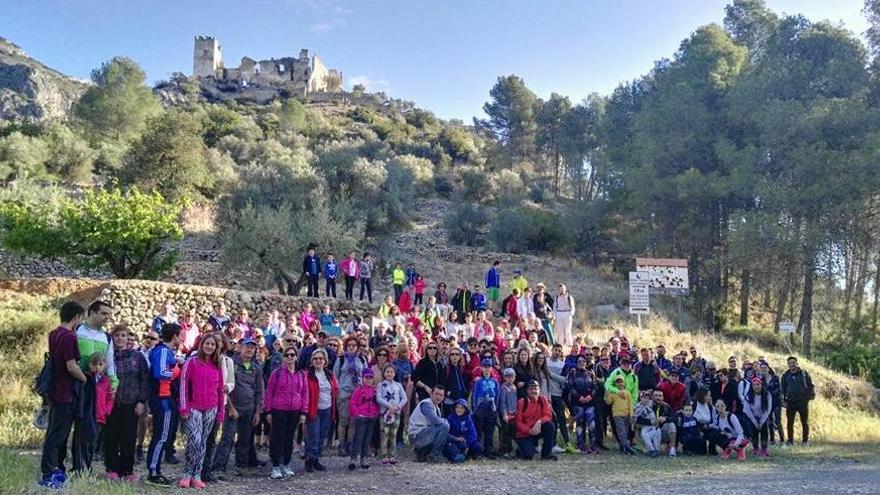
x,y
484,400
164,374
462,441
331,271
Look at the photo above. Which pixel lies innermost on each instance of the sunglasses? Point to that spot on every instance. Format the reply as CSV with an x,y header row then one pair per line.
x,y
290,354
363,346
382,354
455,354
317,359
432,348
151,338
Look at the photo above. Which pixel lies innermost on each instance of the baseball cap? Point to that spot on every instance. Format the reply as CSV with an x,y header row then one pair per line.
x,y
248,342
531,383
486,362
508,372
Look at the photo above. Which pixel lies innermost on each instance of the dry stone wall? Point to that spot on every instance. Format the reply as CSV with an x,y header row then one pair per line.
x,y
135,302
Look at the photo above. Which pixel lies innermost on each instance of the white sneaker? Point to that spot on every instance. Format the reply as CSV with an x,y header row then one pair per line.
x,y
287,470
558,450
276,474
672,452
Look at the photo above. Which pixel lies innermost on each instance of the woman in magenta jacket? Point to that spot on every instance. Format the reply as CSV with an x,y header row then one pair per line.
x,y
285,403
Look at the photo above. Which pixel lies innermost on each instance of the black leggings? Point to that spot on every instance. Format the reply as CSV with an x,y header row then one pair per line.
x,y
284,425
760,435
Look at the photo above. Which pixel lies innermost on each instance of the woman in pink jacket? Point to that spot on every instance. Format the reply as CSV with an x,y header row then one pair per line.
x,y
201,405
285,403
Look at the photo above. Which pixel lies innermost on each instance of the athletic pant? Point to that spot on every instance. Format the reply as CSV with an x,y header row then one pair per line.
x,y
363,431
164,430
528,446
760,435
313,286
330,287
388,437
803,409
651,438
284,424
419,299
197,426
55,443
120,436
558,404
485,419
366,284
83,444
242,428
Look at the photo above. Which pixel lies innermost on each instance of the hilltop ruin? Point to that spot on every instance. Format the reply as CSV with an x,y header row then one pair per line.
x,y
300,75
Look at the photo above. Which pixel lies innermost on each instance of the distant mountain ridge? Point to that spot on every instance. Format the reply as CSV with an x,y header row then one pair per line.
x,y
32,92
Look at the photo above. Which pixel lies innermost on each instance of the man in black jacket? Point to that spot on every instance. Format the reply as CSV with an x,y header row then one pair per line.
x,y
797,392
312,269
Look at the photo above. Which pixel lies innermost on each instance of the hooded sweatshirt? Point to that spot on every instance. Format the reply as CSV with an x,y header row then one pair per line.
x,y
201,387
462,426
363,402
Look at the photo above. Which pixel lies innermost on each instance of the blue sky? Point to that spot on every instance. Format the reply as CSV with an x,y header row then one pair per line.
x,y
444,55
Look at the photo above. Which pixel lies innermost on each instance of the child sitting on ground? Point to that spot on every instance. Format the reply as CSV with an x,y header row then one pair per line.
x,y
646,421
462,441
688,429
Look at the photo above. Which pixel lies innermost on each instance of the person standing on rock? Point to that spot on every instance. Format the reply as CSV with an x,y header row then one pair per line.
x,y
166,315
331,271
366,275
351,270
311,267
219,320
493,284
563,308
398,278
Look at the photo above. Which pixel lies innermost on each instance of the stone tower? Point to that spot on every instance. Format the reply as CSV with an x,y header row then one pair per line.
x,y
207,58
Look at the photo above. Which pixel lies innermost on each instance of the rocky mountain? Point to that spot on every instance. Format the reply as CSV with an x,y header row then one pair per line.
x,y
32,92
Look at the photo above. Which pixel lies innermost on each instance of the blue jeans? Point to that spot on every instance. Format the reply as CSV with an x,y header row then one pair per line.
x,y
433,438
318,431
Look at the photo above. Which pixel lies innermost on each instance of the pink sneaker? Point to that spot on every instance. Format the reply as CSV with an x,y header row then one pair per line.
x,y
726,453
184,482
741,454
392,460
112,476
198,484
131,478
765,452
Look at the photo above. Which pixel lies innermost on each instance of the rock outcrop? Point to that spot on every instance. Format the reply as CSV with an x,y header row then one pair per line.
x,y
32,92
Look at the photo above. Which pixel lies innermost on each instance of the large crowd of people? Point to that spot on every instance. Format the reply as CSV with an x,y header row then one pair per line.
x,y
453,377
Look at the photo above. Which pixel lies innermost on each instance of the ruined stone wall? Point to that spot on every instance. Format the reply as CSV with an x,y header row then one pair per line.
x,y
320,76
135,302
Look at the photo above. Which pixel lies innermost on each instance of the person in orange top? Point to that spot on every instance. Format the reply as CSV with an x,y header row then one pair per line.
x,y
534,423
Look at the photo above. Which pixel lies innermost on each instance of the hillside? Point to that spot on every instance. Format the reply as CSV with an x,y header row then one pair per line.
x,y
32,92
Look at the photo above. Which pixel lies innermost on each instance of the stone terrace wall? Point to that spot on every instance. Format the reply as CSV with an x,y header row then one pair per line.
x,y
135,302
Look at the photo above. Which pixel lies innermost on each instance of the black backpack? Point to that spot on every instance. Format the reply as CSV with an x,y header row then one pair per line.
x,y
45,378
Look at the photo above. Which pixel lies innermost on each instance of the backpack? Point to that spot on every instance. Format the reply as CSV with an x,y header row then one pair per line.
x,y
811,391
45,379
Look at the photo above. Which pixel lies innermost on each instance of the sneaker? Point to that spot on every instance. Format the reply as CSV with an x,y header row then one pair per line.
x,y
309,466
48,482
364,465
765,452
130,478
287,470
184,482
570,449
209,477
558,450
458,458
726,453
112,476
741,454
672,452
276,474
158,480
602,447
385,462
550,457
318,466
631,451
58,477
756,451
653,453
352,466
392,460
198,484
171,459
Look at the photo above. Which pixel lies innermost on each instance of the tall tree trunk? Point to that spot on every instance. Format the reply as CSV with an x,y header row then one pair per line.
x,y
556,162
805,324
874,310
783,298
744,297
861,282
765,297
848,264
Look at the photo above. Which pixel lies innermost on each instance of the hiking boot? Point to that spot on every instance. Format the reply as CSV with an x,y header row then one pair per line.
x,y
318,466
158,480
741,454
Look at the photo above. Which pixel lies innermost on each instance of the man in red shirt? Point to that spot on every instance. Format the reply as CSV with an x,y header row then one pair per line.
x,y
534,423
66,374
673,391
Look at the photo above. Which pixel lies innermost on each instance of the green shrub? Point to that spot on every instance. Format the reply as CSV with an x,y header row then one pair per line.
x,y
464,221
527,228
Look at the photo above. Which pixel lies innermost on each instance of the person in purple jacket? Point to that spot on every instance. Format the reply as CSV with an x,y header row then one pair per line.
x,y
285,404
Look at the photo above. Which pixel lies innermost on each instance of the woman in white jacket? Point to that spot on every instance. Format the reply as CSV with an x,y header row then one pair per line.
x,y
726,432
757,406
563,309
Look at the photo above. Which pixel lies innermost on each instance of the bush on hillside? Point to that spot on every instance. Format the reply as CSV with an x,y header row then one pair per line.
x,y
464,222
527,228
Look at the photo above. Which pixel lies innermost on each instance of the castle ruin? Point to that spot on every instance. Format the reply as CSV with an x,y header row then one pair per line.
x,y
303,74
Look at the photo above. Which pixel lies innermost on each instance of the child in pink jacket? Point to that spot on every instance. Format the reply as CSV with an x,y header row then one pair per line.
x,y
364,411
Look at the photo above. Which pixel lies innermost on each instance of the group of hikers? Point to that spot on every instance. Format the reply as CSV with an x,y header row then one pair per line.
x,y
441,374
